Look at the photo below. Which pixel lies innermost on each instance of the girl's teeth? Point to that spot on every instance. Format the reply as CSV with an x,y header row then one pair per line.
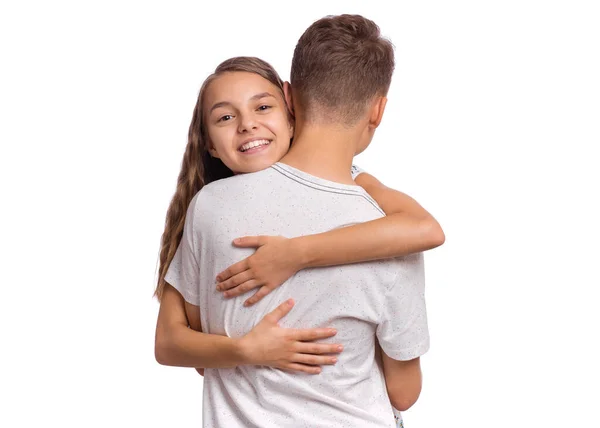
x,y
253,144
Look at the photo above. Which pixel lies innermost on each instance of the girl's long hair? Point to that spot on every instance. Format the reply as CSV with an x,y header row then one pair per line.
x,y
198,167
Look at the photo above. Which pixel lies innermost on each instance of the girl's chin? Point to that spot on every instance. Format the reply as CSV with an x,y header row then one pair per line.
x,y
254,166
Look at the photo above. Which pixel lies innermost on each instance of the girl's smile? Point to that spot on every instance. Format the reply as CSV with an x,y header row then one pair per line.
x,y
247,123
254,145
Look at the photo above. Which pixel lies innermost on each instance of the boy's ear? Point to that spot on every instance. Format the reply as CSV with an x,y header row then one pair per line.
x,y
289,100
377,109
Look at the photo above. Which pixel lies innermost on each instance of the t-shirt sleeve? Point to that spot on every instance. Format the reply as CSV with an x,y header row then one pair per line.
x,y
356,171
403,332
183,272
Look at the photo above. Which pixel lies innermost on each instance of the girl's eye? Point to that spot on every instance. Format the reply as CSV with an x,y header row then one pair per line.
x,y
225,118
264,107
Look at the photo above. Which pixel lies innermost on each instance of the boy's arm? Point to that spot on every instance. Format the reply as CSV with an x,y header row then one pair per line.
x,y
403,332
403,381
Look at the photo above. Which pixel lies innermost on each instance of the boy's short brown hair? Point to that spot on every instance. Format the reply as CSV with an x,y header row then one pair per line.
x,y
340,63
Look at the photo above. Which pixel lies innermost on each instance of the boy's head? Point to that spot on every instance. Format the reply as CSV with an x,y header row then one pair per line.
x,y
340,65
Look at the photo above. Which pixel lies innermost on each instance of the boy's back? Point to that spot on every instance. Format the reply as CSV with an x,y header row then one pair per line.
x,y
382,299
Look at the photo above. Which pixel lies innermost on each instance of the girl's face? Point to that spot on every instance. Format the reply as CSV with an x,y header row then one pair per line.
x,y
246,121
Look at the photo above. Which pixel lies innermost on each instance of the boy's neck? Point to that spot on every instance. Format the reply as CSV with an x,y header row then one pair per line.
x,y
323,151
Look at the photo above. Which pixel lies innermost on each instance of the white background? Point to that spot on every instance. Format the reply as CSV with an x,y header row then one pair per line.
x,y
492,124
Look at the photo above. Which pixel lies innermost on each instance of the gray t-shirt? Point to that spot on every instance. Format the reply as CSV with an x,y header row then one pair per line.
x,y
363,301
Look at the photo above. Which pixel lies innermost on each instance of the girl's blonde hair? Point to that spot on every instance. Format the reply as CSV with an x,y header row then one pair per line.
x,y
198,167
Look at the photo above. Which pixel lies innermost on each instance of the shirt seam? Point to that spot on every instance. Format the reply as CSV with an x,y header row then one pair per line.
x,y
324,188
193,250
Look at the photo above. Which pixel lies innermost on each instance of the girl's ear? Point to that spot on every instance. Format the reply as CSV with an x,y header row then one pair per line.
x,y
212,151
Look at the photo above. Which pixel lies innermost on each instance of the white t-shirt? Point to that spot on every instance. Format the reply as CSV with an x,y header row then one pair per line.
x,y
355,171
383,299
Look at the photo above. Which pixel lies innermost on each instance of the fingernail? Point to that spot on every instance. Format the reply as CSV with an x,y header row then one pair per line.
x,y
340,348
218,288
218,279
236,241
334,360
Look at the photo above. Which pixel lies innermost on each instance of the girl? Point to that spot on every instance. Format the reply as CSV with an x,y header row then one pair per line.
x,y
210,156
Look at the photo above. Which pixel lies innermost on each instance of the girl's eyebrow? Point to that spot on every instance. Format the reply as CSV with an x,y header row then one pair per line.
x,y
253,98
262,95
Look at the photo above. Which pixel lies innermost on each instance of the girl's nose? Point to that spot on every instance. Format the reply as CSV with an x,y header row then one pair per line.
x,y
247,124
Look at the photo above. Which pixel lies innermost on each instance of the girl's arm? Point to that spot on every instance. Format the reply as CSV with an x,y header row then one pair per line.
x,y
407,228
176,344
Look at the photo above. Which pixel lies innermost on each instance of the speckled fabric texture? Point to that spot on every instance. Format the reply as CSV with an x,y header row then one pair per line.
x,y
363,301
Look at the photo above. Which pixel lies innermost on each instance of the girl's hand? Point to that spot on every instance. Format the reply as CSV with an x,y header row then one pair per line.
x,y
268,344
275,261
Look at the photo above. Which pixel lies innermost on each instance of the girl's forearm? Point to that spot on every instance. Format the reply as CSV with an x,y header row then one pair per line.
x,y
183,347
396,235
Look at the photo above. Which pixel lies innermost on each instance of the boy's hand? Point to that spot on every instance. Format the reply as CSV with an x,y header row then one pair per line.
x,y
275,260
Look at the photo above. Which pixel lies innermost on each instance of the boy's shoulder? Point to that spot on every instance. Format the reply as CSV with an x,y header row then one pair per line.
x,y
226,191
235,183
